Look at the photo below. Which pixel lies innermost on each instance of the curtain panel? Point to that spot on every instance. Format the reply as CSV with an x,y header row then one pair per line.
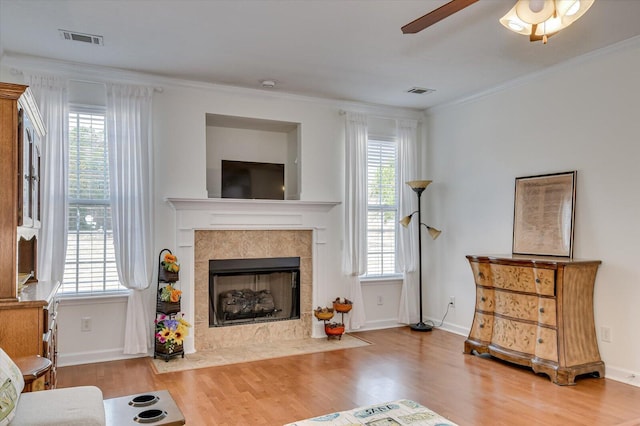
x,y
128,129
51,94
407,258
355,209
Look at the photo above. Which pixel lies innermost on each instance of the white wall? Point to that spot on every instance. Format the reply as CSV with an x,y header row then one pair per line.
x,y
582,116
180,135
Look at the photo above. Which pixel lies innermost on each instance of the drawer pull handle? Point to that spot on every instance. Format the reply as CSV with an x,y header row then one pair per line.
x,y
481,325
540,340
480,275
541,310
483,299
537,280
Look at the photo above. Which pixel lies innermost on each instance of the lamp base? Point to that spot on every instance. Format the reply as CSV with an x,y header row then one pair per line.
x,y
421,327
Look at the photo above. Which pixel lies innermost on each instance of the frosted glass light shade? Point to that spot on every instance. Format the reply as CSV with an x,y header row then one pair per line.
x,y
532,18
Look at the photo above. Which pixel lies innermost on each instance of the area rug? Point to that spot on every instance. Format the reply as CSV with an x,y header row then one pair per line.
x,y
395,413
255,352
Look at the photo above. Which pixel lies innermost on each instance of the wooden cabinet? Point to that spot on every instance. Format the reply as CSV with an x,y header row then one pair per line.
x,y
537,312
21,127
28,316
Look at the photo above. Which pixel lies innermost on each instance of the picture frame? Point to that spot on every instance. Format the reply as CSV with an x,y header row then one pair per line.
x,y
544,214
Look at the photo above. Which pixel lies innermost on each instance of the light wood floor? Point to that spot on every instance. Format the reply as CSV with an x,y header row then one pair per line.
x,y
429,368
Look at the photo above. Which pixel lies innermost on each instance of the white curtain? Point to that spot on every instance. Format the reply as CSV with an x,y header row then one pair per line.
x,y
355,209
51,96
130,179
408,238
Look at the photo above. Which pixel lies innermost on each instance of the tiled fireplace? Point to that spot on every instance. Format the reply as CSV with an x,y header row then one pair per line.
x,y
217,229
245,244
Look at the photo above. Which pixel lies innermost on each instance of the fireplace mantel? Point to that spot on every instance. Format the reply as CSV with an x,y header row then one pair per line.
x,y
226,214
227,204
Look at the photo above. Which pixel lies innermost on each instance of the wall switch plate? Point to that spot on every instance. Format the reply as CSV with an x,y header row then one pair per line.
x,y
379,300
85,324
605,334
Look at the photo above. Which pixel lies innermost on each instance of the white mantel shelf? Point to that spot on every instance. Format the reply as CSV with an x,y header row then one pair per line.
x,y
231,204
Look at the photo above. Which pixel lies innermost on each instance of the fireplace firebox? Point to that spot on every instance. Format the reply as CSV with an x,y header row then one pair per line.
x,y
253,290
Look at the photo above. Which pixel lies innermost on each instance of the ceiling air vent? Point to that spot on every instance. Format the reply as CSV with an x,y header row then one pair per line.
x,y
420,90
97,40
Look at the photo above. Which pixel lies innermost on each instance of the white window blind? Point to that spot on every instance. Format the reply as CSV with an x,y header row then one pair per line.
x,y
90,265
382,208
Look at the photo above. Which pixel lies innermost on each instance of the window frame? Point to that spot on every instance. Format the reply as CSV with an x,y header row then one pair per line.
x,y
75,110
367,276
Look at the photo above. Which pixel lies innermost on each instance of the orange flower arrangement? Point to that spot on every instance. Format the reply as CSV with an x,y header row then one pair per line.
x,y
170,294
170,263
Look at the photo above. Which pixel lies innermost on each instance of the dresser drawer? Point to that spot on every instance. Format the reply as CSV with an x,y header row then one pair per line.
x,y
528,280
547,344
482,327
514,335
526,307
485,299
481,273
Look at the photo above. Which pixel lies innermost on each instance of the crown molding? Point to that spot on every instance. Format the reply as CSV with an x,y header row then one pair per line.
x,y
633,42
82,72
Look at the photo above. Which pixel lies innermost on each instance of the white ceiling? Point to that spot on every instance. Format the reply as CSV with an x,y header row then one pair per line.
x,y
339,49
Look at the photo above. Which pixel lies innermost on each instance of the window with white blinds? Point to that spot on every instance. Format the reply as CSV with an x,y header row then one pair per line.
x,y
90,265
382,207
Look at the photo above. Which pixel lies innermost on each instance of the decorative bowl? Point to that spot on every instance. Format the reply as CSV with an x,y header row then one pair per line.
x,y
334,329
323,314
342,307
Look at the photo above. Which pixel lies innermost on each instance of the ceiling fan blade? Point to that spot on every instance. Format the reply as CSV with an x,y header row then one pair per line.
x,y
436,15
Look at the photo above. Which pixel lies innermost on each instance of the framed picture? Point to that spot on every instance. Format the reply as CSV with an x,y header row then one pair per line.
x,y
544,212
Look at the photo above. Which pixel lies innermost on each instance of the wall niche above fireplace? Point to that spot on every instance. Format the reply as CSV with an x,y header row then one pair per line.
x,y
252,140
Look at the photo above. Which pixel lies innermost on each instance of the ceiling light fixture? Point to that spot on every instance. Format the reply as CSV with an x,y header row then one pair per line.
x,y
269,84
540,19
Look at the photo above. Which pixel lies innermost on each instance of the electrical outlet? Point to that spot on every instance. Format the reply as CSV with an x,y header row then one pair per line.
x,y
605,334
85,324
379,300
452,301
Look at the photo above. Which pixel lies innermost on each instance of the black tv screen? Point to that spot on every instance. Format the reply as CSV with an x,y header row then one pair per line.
x,y
250,180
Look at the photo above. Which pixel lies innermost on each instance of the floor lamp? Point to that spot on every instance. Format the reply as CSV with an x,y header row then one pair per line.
x,y
419,186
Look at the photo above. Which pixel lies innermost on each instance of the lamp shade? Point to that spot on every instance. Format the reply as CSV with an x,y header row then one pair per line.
x,y
535,11
405,221
418,184
433,232
526,17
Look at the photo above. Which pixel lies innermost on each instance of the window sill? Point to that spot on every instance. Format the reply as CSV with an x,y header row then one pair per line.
x,y
367,279
93,298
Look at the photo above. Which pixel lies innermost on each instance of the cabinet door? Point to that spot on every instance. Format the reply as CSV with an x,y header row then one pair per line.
x,y
35,184
26,137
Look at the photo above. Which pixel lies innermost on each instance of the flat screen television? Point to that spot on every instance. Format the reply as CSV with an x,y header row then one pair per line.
x,y
251,180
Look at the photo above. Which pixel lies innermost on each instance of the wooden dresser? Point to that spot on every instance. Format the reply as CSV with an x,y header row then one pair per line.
x,y
538,312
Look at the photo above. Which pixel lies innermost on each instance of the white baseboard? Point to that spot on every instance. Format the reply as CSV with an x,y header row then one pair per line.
x,y
65,360
379,325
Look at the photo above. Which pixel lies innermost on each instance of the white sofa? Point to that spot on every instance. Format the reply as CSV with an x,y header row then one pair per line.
x,y
81,405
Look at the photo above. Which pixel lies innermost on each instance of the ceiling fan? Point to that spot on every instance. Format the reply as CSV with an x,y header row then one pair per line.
x,y
436,15
539,19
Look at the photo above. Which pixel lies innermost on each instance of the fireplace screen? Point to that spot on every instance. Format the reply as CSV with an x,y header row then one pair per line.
x,y
252,290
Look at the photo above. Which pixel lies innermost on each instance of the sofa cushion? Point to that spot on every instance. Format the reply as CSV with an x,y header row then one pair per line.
x,y
11,385
76,406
